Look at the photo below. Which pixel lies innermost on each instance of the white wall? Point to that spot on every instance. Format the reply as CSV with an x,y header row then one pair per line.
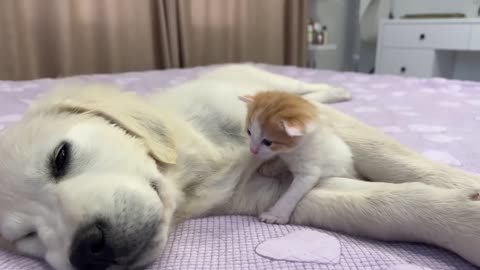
x,y
335,15
340,17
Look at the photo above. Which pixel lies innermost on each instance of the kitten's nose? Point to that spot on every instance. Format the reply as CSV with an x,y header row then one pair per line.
x,y
253,150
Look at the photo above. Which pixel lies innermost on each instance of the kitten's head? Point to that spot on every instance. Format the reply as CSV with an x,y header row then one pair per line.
x,y
276,121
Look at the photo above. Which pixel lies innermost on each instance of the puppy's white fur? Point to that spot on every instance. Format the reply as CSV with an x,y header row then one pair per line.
x,y
189,140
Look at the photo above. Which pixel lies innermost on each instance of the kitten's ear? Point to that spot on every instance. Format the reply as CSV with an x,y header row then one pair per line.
x,y
293,130
246,98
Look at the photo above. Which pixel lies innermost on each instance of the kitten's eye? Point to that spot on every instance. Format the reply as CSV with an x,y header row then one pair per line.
x,y
60,160
249,133
267,142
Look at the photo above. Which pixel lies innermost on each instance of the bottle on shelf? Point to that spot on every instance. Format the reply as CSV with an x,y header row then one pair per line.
x,y
310,31
316,33
324,35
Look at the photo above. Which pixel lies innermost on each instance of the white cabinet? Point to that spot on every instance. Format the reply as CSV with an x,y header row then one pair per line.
x,y
433,36
424,48
475,38
409,62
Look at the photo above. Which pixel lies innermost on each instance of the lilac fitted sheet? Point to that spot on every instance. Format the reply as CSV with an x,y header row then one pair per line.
x,y
439,118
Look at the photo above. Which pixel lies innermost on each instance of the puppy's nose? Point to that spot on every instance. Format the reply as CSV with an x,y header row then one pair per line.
x,y
90,249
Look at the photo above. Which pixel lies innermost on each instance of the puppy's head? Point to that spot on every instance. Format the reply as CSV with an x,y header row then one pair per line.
x,y
81,182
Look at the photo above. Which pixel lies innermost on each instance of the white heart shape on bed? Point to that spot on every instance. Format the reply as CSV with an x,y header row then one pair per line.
x,y
475,102
126,80
30,85
449,104
368,97
443,157
302,246
339,78
379,86
10,117
399,108
351,85
398,94
411,114
427,90
361,79
365,109
440,138
411,81
26,101
407,267
11,89
421,128
358,90
453,88
291,71
391,129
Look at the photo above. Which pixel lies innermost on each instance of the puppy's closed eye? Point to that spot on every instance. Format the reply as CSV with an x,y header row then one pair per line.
x,y
60,160
27,236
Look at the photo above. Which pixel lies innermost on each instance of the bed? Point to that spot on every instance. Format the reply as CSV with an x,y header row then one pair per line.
x,y
439,118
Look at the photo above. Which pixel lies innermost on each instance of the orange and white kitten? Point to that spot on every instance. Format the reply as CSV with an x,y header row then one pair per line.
x,y
286,127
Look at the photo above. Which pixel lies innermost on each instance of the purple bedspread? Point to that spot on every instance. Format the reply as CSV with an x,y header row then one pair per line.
x,y
439,118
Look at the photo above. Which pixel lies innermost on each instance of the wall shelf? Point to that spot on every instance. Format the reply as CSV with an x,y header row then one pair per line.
x,y
312,47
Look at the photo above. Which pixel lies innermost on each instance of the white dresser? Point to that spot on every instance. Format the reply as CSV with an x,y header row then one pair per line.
x,y
425,47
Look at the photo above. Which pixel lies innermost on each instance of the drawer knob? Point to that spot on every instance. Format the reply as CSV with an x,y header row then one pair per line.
x,y
403,69
422,36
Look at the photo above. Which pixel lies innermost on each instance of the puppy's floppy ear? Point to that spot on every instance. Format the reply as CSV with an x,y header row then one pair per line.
x,y
126,110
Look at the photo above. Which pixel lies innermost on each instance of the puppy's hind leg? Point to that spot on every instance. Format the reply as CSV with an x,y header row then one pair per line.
x,y
257,79
319,92
413,211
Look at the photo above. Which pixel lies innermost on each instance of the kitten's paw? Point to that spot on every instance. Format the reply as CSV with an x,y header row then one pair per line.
x,y
273,219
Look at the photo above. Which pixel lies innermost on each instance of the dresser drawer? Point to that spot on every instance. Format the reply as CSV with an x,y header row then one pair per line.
x,y
438,36
475,38
407,62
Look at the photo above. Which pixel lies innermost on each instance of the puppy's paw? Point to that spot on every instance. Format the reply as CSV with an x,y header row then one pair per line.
x,y
469,194
273,219
341,94
473,195
329,95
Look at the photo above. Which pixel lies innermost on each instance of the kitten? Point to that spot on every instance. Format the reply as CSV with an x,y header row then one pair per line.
x,y
286,129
